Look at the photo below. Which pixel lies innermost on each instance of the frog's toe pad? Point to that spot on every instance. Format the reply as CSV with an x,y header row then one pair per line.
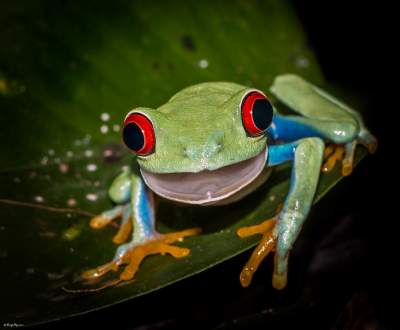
x,y
279,281
371,145
368,140
266,245
99,222
97,272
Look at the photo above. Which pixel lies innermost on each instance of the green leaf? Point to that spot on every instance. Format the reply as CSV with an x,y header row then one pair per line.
x,y
63,65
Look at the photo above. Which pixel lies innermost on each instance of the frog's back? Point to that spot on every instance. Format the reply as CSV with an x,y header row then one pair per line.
x,y
208,94
215,88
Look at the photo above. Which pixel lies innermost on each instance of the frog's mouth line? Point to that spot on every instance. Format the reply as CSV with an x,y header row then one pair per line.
x,y
206,187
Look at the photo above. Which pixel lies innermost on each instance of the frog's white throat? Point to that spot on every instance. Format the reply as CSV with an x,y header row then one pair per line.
x,y
225,184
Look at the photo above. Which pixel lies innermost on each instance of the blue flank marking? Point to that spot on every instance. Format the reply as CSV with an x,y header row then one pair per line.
x,y
280,153
288,129
291,128
145,215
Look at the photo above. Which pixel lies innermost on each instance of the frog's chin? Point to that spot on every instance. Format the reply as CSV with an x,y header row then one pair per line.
x,y
207,187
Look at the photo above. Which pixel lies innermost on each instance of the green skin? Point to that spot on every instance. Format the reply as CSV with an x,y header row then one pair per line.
x,y
199,135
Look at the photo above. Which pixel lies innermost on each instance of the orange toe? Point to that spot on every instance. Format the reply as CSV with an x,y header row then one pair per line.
x,y
134,256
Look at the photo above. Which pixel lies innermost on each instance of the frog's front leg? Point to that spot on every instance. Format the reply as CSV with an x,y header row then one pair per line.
x,y
322,116
145,239
280,233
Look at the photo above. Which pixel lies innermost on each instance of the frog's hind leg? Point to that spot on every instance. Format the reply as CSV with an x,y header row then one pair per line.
x,y
322,116
145,239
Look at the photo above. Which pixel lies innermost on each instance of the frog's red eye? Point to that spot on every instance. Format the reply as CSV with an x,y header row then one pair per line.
x,y
257,113
138,134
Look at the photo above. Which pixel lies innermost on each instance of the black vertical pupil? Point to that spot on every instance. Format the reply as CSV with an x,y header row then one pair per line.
x,y
262,114
133,137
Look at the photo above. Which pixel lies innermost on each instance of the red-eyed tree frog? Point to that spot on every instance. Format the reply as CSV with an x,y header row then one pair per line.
x,y
216,142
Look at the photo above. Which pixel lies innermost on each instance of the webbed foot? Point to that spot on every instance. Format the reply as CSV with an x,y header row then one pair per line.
x,y
332,154
133,253
266,245
345,153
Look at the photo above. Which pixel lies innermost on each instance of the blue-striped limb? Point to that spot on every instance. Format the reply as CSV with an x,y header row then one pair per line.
x,y
301,139
137,212
280,232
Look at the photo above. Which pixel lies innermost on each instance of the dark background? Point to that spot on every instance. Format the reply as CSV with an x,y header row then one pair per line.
x,y
344,278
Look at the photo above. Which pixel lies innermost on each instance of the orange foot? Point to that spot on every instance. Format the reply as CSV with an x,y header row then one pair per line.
x,y
345,153
332,154
133,254
107,217
266,245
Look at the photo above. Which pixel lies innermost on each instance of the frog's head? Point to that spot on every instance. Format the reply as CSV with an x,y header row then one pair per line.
x,y
207,142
